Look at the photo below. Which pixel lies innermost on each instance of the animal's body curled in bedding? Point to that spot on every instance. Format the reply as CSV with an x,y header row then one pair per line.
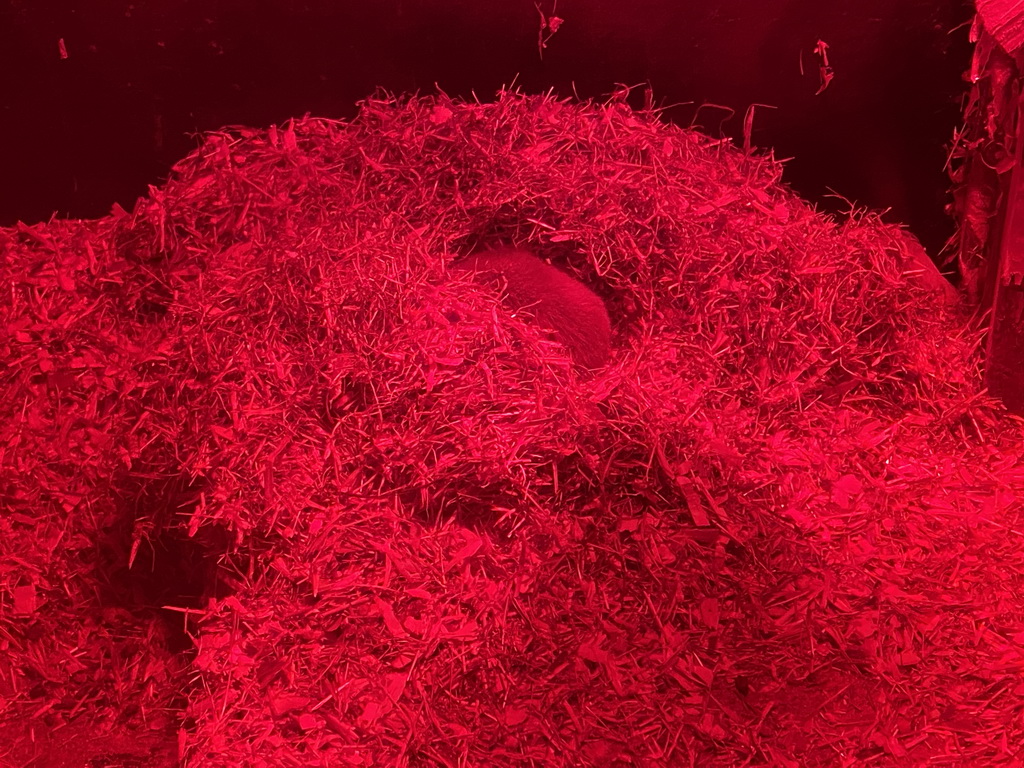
x,y
575,315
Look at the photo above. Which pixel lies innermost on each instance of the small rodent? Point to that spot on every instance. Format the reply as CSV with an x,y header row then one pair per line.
x,y
575,314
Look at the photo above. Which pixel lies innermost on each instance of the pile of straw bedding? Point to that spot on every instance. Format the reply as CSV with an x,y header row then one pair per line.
x,y
278,481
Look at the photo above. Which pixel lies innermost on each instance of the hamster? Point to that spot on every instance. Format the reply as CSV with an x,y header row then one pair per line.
x,y
575,315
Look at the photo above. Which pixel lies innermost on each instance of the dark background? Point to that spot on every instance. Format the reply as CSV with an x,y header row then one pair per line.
x,y
141,79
